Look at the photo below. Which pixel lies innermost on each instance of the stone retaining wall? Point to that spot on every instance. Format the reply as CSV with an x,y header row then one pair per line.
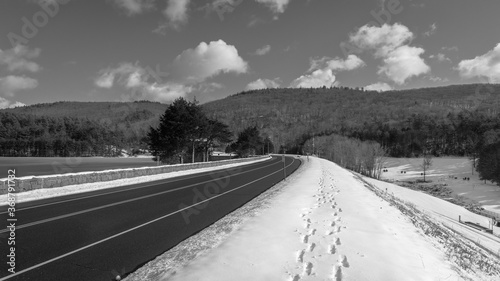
x,y
26,184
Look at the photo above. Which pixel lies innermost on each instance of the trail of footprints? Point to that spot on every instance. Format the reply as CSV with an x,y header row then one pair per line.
x,y
308,256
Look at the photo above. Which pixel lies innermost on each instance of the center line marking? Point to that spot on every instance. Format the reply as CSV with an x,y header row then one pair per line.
x,y
134,228
122,202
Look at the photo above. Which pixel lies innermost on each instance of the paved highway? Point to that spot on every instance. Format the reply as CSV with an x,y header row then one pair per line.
x,y
38,166
92,236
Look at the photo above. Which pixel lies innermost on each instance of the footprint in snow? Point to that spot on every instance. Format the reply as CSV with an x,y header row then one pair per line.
x,y
308,268
310,247
337,241
304,238
331,249
337,273
343,261
295,277
300,256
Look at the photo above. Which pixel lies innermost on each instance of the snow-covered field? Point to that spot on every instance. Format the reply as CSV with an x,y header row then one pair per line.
x,y
323,223
444,170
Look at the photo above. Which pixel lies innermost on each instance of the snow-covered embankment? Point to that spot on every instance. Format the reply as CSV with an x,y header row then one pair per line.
x,y
322,224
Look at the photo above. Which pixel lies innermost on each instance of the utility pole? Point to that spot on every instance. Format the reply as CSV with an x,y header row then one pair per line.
x,y
313,145
192,161
195,129
284,167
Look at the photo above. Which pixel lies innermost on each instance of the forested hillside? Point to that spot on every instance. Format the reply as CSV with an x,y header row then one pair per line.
x,y
453,120
77,128
446,120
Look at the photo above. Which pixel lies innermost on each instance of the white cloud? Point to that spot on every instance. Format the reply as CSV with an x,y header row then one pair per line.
x,y
9,85
123,73
403,63
176,12
337,64
438,79
207,60
379,87
263,51
254,21
187,73
106,80
440,57
318,78
262,84
390,43
487,65
4,103
452,48
19,59
142,82
208,87
321,72
277,6
161,92
383,39
431,31
133,7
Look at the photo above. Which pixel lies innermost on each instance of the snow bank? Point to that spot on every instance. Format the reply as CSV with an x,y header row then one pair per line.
x,y
323,224
445,212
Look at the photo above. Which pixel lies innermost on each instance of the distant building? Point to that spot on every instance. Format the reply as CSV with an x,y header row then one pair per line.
x,y
219,155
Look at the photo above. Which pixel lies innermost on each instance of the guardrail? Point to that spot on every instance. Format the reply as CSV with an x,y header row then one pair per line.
x,y
27,183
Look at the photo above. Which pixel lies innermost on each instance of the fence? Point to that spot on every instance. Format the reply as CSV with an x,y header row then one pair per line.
x,y
27,184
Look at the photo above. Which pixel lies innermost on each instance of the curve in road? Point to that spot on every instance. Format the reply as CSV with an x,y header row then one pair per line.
x,y
92,236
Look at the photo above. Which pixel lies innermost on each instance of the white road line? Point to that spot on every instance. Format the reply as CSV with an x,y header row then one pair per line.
x,y
121,202
134,228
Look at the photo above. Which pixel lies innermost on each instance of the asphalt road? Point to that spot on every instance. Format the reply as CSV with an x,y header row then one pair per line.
x,y
38,166
93,236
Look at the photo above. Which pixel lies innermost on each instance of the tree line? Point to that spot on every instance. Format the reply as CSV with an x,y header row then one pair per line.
x,y
250,142
291,116
42,136
365,157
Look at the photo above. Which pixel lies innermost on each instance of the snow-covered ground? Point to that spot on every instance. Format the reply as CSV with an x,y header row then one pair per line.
x,y
80,188
444,170
323,223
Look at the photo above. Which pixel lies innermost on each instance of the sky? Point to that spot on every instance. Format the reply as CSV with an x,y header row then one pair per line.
x,y
159,50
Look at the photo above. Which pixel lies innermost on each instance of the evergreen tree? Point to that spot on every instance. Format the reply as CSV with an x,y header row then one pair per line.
x,y
185,129
249,142
489,163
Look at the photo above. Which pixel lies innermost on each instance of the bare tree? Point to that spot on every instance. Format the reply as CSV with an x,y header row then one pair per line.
x,y
426,163
380,155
